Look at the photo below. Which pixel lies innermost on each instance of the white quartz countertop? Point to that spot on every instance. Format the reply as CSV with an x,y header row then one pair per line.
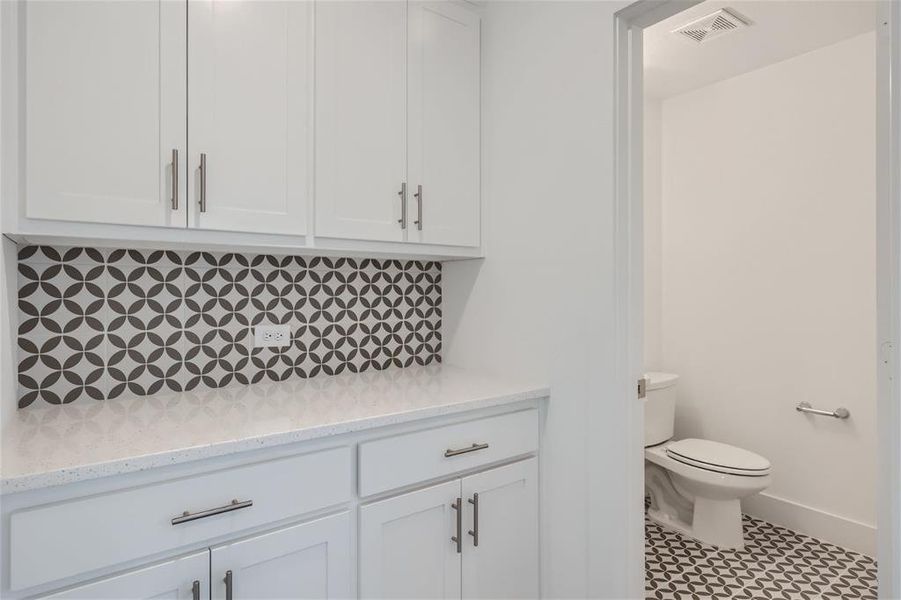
x,y
53,445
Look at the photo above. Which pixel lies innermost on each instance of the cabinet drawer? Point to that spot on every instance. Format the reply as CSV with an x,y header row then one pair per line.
x,y
64,539
407,459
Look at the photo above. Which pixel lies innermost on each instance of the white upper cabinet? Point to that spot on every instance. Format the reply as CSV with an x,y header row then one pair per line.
x,y
443,121
361,155
249,115
336,125
104,110
311,560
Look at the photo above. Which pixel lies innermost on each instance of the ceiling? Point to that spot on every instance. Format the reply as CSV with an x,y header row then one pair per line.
x,y
780,29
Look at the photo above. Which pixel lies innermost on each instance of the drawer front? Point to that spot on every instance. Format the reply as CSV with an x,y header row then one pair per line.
x,y
407,459
65,539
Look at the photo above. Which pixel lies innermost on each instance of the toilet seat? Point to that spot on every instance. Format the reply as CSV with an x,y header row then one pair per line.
x,y
717,457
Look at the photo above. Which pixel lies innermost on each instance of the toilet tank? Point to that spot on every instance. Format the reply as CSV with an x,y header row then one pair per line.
x,y
659,407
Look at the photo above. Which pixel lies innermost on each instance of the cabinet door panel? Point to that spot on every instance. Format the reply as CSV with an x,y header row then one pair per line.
x,y
360,118
405,545
444,122
310,560
250,65
171,580
505,563
105,107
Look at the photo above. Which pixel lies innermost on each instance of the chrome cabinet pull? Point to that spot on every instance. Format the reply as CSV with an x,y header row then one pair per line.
x,y
474,448
186,516
474,532
228,585
403,205
175,179
195,590
418,196
458,539
202,182
838,413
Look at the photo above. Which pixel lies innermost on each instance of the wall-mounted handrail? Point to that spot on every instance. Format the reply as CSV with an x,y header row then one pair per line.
x,y
838,413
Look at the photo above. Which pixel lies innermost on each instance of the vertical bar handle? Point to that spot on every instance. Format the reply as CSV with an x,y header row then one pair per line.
x,y
418,196
195,590
203,182
458,539
228,585
474,532
175,179
403,205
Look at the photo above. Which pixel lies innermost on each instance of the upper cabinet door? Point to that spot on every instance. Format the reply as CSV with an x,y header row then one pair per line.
x,y
444,123
360,119
105,108
406,549
310,560
173,580
500,557
249,114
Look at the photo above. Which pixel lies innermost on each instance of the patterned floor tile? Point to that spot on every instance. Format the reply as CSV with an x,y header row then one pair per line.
x,y
776,563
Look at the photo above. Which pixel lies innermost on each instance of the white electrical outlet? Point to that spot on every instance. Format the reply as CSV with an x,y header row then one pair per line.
x,y
268,336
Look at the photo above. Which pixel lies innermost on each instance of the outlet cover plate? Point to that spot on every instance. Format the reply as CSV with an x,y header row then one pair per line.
x,y
271,336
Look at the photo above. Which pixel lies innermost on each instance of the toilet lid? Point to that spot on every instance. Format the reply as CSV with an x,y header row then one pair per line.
x,y
718,457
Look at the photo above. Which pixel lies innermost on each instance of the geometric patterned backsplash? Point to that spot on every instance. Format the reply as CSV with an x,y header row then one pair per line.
x,y
101,323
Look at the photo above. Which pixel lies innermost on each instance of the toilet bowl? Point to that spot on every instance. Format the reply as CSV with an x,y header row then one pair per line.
x,y
696,485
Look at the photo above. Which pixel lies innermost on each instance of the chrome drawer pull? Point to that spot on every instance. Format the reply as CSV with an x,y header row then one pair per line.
x,y
203,182
188,516
403,205
458,539
229,584
474,532
418,196
174,179
474,448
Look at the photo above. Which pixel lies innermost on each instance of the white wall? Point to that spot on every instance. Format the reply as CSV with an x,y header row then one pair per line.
x,y
769,278
541,304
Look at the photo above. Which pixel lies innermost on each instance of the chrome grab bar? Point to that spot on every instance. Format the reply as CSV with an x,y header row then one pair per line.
x,y
838,413
188,516
474,448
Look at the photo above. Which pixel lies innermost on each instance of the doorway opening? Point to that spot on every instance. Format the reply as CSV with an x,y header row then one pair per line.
x,y
758,230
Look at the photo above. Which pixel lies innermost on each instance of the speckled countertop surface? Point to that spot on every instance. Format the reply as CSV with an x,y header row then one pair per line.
x,y
54,445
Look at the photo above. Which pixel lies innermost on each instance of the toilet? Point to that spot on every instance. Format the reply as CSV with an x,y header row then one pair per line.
x,y
695,485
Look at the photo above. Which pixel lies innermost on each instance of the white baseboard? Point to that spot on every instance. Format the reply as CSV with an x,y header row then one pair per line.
x,y
816,523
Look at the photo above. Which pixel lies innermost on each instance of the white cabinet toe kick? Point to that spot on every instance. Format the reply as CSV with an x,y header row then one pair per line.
x,y
441,508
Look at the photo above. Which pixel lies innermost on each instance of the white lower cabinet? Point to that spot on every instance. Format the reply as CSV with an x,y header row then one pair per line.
x,y
310,560
475,537
504,562
291,525
406,549
182,578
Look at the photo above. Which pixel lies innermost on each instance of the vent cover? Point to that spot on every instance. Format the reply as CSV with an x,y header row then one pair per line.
x,y
711,26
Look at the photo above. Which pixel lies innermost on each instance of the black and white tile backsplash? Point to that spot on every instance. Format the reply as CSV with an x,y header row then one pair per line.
x,y
98,324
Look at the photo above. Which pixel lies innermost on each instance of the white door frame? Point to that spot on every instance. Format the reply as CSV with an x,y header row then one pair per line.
x,y
628,244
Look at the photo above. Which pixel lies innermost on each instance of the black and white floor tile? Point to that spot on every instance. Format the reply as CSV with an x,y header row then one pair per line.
x,y
99,323
776,563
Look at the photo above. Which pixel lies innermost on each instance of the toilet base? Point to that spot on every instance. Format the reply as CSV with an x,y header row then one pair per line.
x,y
714,522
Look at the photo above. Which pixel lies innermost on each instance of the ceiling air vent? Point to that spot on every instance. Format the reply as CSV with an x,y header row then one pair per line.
x,y
711,26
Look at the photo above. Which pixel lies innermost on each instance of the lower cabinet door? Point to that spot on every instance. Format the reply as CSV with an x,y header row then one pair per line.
x,y
310,560
500,524
406,550
185,578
